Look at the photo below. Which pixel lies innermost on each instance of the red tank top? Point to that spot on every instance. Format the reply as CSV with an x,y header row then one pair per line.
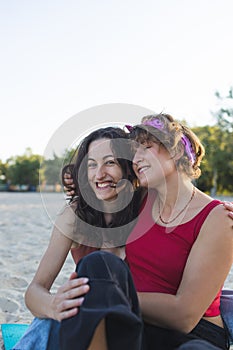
x,y
157,258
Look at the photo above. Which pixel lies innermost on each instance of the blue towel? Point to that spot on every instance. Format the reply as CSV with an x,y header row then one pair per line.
x,y
42,334
11,333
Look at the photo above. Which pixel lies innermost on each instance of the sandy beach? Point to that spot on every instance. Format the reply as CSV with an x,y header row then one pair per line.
x,y
26,220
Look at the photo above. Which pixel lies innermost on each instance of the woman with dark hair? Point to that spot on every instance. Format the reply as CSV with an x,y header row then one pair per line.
x,y
99,218
91,206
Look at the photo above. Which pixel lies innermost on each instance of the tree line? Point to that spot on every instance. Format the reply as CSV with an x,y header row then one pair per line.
x,y
31,172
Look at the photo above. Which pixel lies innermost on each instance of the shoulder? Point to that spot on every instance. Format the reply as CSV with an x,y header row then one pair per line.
x,y
66,220
217,210
68,211
204,206
215,239
218,222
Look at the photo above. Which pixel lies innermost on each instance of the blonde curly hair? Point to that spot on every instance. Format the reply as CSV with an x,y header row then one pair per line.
x,y
175,137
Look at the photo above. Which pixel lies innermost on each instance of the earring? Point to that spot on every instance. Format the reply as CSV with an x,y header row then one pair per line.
x,y
136,184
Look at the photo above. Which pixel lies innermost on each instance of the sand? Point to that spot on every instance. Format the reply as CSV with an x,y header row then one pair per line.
x,y
25,228
26,221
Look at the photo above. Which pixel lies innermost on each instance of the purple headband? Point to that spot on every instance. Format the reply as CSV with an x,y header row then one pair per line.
x,y
158,124
188,148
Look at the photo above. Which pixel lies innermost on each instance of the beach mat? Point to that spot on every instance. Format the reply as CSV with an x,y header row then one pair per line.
x,y
11,333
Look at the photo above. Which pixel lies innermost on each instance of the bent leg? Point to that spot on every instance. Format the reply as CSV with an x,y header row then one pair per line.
x,y
113,298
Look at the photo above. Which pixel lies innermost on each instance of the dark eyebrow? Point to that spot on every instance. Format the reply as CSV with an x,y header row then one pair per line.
x,y
109,155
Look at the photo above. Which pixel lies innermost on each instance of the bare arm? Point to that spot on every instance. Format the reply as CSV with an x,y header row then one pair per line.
x,y
206,269
38,298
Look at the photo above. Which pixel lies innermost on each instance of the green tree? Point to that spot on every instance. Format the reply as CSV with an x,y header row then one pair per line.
x,y
50,172
216,166
224,118
224,115
24,170
3,179
3,172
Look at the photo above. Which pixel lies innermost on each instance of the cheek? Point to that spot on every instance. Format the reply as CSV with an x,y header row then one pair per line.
x,y
120,174
117,173
134,167
168,166
89,175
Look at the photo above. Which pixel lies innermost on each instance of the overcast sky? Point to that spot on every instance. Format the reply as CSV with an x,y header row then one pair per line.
x,y
59,58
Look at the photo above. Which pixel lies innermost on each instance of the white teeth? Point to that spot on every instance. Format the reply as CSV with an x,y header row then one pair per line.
x,y
103,184
141,170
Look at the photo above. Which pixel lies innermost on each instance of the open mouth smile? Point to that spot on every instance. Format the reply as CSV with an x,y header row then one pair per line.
x,y
142,169
106,184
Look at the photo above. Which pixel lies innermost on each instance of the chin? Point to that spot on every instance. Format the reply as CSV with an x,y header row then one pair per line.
x,y
105,197
143,182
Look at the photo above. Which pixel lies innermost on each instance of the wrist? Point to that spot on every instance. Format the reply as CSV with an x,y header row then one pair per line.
x,y
51,309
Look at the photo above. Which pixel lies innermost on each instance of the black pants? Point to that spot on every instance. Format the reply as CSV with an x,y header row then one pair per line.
x,y
113,297
205,335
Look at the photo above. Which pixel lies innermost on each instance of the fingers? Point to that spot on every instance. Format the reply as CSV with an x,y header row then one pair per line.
x,y
73,283
70,297
68,185
67,176
69,308
69,193
229,207
68,180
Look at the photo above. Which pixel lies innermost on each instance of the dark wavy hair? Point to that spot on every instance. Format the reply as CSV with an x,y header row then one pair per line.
x,y
88,206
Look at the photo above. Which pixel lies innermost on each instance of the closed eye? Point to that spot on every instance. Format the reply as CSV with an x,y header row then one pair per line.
x,y
147,145
110,162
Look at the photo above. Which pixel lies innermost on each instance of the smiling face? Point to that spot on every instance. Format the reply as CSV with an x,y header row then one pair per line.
x,y
152,164
103,170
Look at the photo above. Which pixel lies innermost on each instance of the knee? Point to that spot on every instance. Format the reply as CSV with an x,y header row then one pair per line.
x,y
97,256
98,264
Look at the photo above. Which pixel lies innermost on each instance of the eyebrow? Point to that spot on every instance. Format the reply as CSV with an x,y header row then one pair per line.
x,y
107,156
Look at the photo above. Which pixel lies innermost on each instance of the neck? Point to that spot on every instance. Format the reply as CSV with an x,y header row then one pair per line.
x,y
173,203
174,194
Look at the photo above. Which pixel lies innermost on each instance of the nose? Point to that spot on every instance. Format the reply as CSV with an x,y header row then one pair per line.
x,y
100,173
137,156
